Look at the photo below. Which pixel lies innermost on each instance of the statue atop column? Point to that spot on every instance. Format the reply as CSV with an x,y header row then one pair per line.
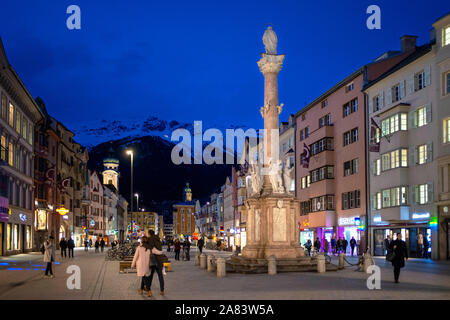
x,y
270,41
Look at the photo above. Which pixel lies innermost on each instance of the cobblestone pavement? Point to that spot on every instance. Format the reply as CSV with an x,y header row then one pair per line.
x,y
21,277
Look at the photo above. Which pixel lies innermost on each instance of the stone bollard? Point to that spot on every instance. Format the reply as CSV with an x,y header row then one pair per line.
x,y
197,260
272,265
321,263
209,263
341,260
202,261
367,261
221,268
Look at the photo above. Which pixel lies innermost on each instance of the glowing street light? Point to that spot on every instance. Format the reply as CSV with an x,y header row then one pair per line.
x,y
130,153
137,196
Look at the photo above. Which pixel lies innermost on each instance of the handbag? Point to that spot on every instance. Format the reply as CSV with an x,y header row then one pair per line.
x,y
153,261
390,256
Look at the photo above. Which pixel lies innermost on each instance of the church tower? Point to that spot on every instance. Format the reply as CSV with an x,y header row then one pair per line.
x,y
111,171
187,193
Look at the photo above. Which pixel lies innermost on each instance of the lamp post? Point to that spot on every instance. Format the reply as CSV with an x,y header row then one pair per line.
x,y
137,196
130,153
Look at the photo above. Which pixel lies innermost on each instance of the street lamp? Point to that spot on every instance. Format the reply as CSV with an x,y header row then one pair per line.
x,y
130,153
137,196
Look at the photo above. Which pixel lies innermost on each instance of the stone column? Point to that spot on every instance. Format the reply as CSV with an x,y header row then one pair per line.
x,y
341,261
202,261
210,265
321,263
221,268
270,65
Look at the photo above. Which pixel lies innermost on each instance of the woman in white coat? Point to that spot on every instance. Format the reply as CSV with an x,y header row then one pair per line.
x,y
141,261
49,256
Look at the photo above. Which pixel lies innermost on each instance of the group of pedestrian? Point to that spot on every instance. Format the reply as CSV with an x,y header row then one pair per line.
x,y
147,260
99,244
186,246
336,246
66,244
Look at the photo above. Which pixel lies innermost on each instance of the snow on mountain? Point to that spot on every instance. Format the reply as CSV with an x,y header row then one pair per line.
x,y
94,132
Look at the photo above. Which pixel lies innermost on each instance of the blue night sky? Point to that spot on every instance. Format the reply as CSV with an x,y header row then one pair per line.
x,y
195,60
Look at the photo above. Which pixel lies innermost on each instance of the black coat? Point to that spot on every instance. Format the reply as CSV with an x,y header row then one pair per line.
x,y
201,243
155,242
399,248
70,244
352,243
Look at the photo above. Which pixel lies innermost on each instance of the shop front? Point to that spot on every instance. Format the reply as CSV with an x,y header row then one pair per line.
x,y
351,227
317,225
18,232
418,235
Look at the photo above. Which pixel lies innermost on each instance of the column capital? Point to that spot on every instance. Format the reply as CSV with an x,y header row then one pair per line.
x,y
271,63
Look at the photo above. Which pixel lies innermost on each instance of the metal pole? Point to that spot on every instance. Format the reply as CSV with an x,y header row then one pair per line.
x,y
132,194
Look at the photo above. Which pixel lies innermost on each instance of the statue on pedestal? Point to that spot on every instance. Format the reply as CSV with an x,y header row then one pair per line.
x,y
255,178
275,176
270,41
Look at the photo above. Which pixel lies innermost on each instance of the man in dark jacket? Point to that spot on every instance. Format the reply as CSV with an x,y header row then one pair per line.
x,y
339,245
187,248
70,246
317,245
344,245
201,243
102,244
387,244
352,244
333,245
63,247
399,248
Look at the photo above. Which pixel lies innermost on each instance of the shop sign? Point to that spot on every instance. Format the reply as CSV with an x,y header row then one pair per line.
x,y
351,221
424,215
66,217
23,217
92,223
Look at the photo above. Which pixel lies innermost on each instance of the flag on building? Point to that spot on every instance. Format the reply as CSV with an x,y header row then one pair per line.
x,y
306,155
375,131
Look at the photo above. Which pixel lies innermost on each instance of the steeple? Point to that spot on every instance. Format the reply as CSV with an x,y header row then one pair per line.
x,y
111,171
187,193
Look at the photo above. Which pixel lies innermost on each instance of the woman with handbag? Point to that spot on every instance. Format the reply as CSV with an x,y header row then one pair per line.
x,y
156,261
141,262
398,254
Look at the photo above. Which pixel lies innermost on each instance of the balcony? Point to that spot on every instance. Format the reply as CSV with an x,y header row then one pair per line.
x,y
326,186
321,159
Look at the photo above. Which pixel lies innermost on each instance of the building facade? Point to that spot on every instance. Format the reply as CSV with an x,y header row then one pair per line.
x,y
19,114
183,215
408,172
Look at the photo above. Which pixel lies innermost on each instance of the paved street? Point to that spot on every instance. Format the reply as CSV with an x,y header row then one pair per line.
x,y
21,278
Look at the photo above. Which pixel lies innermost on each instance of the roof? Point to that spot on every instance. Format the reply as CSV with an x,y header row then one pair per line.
x,y
419,52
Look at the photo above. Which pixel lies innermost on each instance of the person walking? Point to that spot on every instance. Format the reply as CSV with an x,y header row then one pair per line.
x,y
317,245
70,246
420,238
387,244
200,244
219,245
141,261
102,244
90,244
426,246
63,247
333,245
49,256
344,245
97,244
168,245
339,246
325,246
113,244
308,246
187,248
398,247
156,261
177,248
352,244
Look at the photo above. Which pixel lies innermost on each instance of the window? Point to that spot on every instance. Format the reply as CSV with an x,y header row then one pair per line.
x,y
396,93
30,134
11,154
18,122
377,102
376,167
8,236
3,148
422,116
321,145
446,130
24,128
324,103
419,81
422,194
422,154
4,107
11,115
394,159
350,136
305,182
446,36
392,197
394,123
350,167
351,200
448,82
322,173
325,121
322,203
304,133
350,107
349,87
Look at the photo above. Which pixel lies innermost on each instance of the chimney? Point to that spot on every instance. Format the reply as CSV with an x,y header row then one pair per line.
x,y
408,42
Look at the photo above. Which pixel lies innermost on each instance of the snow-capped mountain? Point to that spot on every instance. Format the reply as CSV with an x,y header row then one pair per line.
x,y
95,132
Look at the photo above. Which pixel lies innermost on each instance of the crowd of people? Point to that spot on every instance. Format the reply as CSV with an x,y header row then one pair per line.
x,y
337,246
